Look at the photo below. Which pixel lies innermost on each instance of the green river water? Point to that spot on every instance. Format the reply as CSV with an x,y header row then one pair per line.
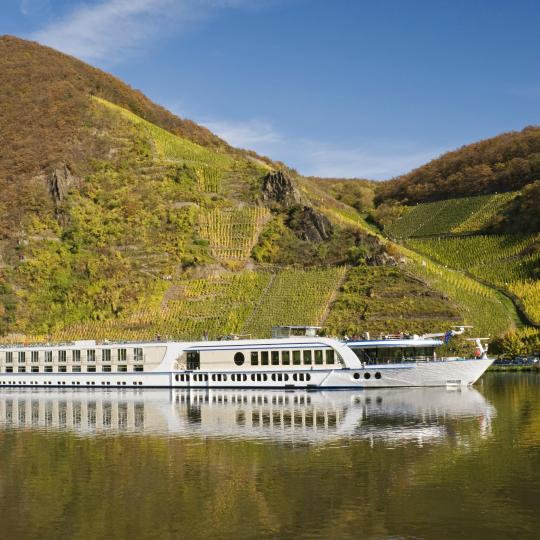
x,y
411,463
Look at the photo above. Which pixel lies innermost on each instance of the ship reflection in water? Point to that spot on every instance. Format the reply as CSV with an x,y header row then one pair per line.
x,y
417,415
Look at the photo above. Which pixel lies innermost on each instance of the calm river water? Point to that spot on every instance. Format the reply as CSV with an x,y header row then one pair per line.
x,y
413,463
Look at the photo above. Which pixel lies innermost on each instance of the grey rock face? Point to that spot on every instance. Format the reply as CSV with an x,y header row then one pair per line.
x,y
279,187
310,225
59,181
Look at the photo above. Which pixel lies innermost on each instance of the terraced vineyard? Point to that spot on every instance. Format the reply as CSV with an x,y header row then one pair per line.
x,y
508,262
233,232
296,297
528,293
464,215
490,312
245,302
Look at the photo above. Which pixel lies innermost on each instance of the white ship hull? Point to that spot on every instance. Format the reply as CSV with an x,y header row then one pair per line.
x,y
414,374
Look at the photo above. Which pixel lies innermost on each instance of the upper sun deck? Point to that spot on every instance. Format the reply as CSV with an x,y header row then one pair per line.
x,y
409,342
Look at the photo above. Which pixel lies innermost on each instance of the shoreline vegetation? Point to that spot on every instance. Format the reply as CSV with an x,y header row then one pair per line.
x,y
512,368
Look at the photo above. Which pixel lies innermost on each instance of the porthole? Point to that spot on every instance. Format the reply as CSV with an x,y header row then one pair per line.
x,y
239,359
367,375
377,375
356,376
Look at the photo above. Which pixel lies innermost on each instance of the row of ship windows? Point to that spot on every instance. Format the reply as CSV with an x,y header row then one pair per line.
x,y
242,377
285,358
74,369
61,356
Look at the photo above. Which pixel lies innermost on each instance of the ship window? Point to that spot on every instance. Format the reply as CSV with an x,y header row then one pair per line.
x,y
106,355
9,369
22,369
76,369
91,355
356,376
122,367
285,358
253,376
48,356
193,360
377,375
106,369
34,357
62,369
9,358
264,358
308,377
22,357
35,369
273,377
61,356
275,358
318,357
296,360
138,354
48,369
122,355
367,375
76,356
138,367
330,357
307,357
239,358
254,358
91,369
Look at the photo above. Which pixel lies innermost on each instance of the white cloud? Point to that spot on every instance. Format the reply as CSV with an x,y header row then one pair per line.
x,y
245,134
108,29
374,160
32,7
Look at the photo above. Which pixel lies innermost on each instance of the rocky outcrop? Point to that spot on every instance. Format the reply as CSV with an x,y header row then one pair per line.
x,y
309,225
59,181
278,187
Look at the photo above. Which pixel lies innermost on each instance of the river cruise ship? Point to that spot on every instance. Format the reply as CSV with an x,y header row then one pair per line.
x,y
295,357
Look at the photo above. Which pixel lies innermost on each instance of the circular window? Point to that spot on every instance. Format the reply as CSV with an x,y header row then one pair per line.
x,y
377,375
356,376
239,358
367,375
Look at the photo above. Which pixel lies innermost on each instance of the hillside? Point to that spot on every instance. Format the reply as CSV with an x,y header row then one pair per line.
x,y
504,163
471,235
119,220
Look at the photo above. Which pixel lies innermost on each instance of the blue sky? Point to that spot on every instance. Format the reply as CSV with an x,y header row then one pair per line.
x,y
331,87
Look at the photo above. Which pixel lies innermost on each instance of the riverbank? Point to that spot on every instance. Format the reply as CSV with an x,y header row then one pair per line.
x,y
513,368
